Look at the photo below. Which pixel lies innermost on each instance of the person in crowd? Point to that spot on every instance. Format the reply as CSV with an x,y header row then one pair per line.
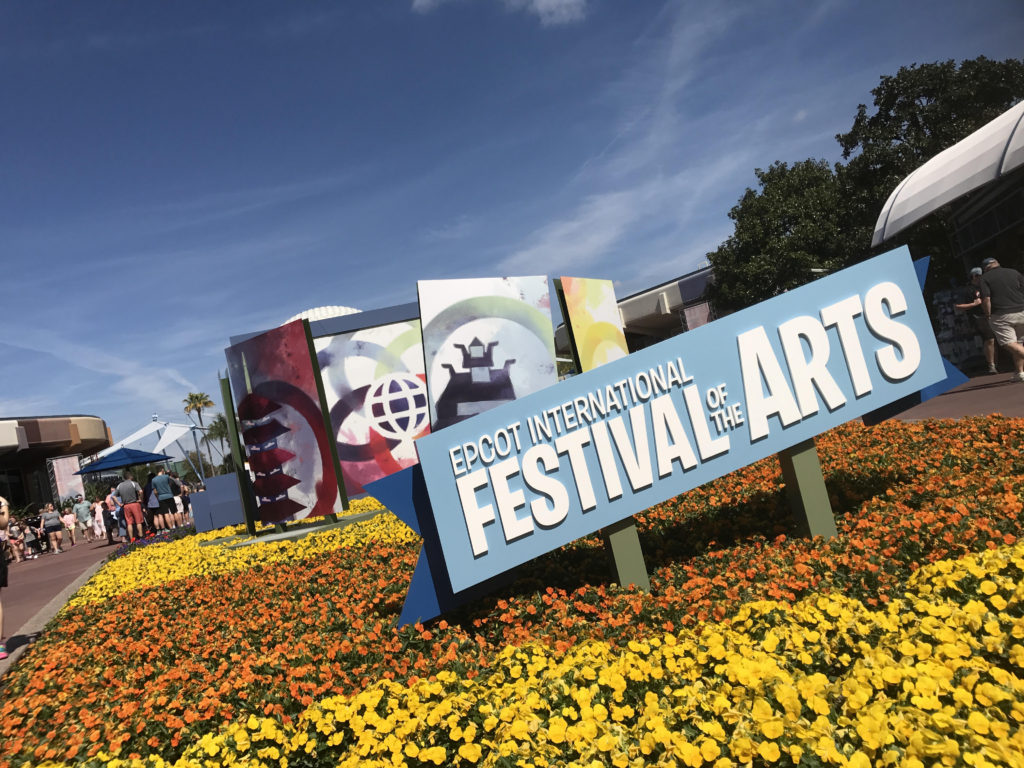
x,y
186,504
179,507
99,527
131,501
113,504
6,552
68,520
110,523
5,516
164,490
83,517
33,546
150,503
16,540
53,529
970,303
1002,300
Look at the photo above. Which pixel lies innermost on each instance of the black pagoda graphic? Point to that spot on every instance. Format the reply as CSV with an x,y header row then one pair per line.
x,y
260,432
476,389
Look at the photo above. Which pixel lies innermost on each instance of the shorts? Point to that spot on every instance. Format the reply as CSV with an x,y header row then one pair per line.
x,y
3,569
133,513
984,327
167,506
1008,327
53,529
84,525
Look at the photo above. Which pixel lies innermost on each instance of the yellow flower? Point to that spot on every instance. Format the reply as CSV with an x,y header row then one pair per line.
x,y
773,728
978,723
470,752
769,751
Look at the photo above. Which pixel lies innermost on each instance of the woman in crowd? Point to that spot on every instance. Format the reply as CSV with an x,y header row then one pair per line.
x,y
99,529
186,504
68,519
53,528
151,505
16,540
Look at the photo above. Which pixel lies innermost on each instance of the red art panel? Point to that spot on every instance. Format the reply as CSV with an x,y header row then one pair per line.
x,y
282,424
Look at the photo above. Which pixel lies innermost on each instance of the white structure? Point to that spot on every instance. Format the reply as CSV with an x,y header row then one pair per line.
x,y
990,153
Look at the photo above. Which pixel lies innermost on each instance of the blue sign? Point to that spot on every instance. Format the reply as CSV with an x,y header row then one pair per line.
x,y
528,477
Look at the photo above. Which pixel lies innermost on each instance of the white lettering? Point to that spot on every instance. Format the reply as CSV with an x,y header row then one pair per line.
x,y
757,359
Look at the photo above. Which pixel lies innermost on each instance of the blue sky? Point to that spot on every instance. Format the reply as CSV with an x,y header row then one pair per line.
x,y
172,174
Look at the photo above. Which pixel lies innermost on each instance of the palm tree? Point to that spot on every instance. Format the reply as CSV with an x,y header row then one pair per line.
x,y
197,401
217,432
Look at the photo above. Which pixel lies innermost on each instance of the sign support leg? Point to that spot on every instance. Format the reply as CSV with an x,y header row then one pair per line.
x,y
805,487
623,541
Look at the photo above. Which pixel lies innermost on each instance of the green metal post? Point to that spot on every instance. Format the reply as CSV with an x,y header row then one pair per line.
x,y
245,489
805,487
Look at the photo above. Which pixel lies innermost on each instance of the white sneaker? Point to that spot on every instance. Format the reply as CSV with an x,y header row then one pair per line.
x,y
1018,377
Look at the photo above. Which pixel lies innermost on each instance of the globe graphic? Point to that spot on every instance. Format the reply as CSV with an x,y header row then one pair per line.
x,y
397,406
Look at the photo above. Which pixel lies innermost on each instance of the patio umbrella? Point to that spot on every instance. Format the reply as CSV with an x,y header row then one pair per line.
x,y
123,457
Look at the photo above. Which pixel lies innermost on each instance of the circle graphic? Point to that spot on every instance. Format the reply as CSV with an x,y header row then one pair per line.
x,y
397,406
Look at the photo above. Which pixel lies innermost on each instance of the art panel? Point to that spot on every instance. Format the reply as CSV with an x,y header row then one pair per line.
x,y
486,342
376,395
594,320
280,412
64,483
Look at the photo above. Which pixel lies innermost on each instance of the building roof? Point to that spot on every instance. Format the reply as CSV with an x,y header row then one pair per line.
x,y
27,439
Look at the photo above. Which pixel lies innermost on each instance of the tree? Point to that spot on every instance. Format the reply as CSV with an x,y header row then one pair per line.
x,y
218,432
197,401
195,460
808,216
787,233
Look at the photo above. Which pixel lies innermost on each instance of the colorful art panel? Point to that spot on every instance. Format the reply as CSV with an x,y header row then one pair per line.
x,y
486,342
376,394
282,423
594,321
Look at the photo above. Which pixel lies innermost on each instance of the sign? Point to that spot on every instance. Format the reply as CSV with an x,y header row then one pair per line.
x,y
528,477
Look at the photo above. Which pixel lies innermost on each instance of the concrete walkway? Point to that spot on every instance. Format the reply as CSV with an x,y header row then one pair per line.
x,y
39,588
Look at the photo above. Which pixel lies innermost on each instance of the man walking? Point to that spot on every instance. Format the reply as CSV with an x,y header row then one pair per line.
x,y
83,517
131,500
1002,300
164,516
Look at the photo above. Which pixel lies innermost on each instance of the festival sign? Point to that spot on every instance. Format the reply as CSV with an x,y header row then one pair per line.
x,y
530,476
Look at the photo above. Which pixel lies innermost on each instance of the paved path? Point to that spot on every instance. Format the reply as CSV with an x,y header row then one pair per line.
x,y
39,588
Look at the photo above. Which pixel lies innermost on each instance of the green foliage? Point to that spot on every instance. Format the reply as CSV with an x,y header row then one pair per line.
x,y
808,216
787,233
190,476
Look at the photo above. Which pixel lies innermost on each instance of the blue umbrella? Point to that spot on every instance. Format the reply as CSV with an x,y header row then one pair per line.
x,y
123,457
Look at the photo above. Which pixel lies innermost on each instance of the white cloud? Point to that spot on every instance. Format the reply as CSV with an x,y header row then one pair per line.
x,y
551,13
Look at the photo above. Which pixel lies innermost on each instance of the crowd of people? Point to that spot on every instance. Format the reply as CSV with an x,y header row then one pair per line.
x,y
118,517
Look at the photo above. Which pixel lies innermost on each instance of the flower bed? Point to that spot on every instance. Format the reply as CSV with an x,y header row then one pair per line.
x,y
292,646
